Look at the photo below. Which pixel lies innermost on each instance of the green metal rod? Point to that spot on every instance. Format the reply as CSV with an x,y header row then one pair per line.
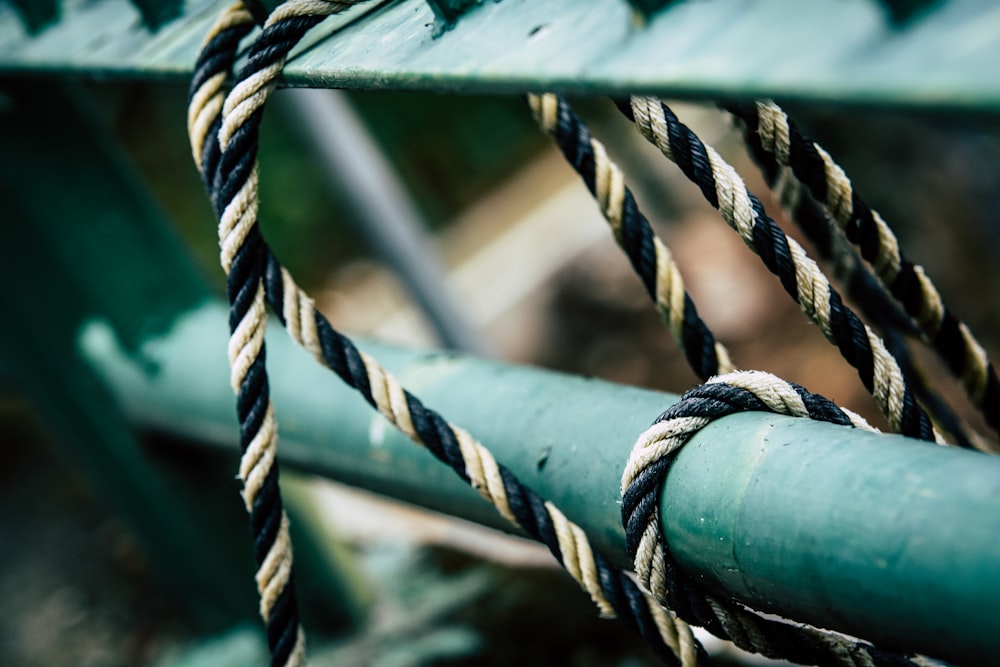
x,y
875,535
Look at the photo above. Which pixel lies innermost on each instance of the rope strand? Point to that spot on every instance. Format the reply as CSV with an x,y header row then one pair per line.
x,y
770,132
799,275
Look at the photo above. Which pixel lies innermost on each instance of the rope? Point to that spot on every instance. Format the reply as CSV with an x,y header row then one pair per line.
x,y
774,140
742,626
254,275
643,481
860,285
799,274
258,470
649,256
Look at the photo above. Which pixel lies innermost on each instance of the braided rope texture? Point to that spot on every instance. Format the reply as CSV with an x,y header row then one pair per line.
x,y
242,256
774,140
230,171
861,286
727,620
798,273
642,482
649,256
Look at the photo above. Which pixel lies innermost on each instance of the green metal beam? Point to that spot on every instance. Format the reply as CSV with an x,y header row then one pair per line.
x,y
881,536
836,51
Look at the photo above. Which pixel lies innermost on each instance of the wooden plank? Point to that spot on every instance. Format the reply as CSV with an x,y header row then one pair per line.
x,y
840,51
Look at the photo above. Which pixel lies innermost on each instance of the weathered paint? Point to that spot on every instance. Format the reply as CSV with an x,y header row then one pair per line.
x,y
835,51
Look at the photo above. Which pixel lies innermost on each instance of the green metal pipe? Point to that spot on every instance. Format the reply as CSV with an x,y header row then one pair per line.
x,y
880,536
875,535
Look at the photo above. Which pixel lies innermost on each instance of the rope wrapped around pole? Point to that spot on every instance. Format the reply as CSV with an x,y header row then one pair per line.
x,y
642,482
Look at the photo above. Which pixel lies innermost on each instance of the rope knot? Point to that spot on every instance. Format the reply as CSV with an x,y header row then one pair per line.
x,y
655,449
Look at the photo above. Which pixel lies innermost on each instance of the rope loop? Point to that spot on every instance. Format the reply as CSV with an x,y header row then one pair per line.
x,y
655,449
642,482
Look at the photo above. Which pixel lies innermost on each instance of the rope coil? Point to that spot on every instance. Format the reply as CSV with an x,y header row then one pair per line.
x,y
642,483
224,144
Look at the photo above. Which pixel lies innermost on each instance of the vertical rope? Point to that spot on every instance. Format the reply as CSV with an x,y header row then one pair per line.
x,y
243,261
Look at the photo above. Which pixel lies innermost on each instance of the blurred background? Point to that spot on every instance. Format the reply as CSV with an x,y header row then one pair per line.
x,y
533,269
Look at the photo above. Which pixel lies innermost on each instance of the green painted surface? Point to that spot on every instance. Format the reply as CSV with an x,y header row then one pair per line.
x,y
327,428
877,535
81,237
838,51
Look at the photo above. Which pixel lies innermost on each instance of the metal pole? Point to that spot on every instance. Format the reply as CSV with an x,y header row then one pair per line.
x,y
876,535
380,207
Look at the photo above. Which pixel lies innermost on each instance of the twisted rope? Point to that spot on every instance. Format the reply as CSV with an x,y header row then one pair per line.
x,y
860,285
642,482
649,256
774,140
656,571
254,275
258,468
799,275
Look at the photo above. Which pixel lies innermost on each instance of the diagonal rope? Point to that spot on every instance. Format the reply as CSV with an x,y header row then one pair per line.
x,y
775,140
649,256
799,275
255,275
860,285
